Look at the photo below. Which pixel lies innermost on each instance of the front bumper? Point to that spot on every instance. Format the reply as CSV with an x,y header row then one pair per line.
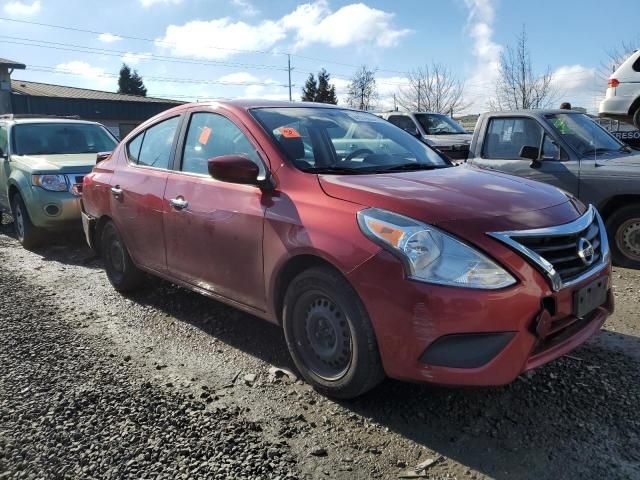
x,y
408,317
53,210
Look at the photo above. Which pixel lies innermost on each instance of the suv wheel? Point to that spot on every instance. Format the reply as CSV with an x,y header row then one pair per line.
x,y
623,228
636,118
27,233
329,334
122,273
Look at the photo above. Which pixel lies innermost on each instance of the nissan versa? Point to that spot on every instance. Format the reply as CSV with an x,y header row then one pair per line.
x,y
373,253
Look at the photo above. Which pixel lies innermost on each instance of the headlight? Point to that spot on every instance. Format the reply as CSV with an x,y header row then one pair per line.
x,y
53,183
431,255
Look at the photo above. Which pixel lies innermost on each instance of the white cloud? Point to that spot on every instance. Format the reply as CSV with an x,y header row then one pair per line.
x,y
198,38
246,7
109,38
149,3
578,85
485,50
22,9
239,77
310,23
134,58
96,76
356,23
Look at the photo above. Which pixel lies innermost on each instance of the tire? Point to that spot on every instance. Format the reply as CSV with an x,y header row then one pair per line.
x,y
636,118
121,271
27,233
623,229
321,312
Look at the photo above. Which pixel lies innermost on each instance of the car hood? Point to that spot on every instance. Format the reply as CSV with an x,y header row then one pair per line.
x,y
456,139
621,163
435,196
64,163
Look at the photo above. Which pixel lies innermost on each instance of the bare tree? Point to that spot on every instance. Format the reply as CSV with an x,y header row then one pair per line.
x,y
362,92
517,86
432,88
616,56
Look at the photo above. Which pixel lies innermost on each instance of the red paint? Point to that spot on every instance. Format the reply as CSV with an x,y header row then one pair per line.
x,y
233,241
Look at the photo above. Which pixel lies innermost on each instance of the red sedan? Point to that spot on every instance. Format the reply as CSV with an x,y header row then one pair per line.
x,y
375,255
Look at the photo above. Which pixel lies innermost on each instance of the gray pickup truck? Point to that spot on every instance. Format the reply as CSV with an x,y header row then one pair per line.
x,y
571,151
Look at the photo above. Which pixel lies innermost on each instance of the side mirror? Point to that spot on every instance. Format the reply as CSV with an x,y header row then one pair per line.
x,y
533,154
413,131
236,169
102,156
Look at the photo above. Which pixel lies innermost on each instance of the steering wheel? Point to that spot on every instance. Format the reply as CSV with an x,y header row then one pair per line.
x,y
355,153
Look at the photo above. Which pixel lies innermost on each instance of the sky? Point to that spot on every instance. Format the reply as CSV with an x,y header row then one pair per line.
x,y
195,50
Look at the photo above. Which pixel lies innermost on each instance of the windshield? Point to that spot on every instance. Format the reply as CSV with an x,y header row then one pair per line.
x,y
61,138
583,134
345,141
437,124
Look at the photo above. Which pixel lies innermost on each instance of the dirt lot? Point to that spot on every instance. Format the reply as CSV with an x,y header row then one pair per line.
x,y
160,385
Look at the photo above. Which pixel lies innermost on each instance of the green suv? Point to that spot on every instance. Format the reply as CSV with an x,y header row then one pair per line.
x,y
42,164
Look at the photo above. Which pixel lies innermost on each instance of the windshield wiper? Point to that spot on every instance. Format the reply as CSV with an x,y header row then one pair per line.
x,y
330,170
407,167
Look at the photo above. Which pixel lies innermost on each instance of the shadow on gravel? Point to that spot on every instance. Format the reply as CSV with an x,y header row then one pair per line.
x,y
574,418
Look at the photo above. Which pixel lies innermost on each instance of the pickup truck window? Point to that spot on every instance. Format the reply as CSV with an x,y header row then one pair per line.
x,y
507,135
583,134
402,121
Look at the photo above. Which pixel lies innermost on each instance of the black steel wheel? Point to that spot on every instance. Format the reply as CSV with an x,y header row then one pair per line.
x,y
329,334
121,271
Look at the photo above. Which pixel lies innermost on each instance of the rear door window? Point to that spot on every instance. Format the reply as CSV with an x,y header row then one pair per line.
x,y
152,148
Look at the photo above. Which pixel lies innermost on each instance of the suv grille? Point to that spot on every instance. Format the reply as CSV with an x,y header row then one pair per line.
x,y
562,251
567,253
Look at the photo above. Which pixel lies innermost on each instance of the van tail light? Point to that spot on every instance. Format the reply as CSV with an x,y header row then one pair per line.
x,y
613,83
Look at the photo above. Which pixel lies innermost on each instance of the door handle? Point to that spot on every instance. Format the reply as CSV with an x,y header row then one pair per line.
x,y
179,203
116,191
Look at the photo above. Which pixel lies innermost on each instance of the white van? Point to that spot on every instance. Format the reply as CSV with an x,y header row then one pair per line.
x,y
623,94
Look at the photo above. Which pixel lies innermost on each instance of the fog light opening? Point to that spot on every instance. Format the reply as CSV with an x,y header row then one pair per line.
x,y
52,210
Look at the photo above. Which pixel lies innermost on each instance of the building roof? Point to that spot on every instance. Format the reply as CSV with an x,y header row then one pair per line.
x,y
12,64
36,89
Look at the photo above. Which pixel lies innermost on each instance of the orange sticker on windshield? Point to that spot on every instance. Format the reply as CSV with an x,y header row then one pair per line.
x,y
204,136
288,132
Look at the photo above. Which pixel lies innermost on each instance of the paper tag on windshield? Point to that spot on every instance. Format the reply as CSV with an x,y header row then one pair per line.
x,y
204,136
288,132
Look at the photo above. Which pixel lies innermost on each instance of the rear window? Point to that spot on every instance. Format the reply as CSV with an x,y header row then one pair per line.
x,y
636,64
61,138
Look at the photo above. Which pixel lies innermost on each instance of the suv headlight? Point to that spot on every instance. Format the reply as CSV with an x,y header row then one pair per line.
x,y
429,254
53,183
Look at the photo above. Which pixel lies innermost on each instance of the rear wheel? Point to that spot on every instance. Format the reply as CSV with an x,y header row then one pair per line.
x,y
623,227
27,233
636,118
329,334
121,271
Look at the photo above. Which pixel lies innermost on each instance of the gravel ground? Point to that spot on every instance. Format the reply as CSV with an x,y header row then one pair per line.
x,y
167,383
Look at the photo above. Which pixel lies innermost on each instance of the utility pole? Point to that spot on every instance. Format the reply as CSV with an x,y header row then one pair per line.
x,y
289,71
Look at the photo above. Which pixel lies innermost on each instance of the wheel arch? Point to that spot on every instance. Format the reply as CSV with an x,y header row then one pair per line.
x,y
635,105
610,206
291,268
96,235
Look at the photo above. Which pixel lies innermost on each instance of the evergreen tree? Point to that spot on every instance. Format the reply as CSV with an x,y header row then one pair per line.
x,y
130,82
310,89
326,91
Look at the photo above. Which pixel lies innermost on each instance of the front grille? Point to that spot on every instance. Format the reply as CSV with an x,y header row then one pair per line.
x,y
562,251
566,253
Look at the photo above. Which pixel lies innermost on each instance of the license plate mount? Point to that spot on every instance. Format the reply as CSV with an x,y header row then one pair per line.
x,y
590,297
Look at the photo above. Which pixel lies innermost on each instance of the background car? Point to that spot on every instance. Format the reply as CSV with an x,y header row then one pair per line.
x,y
435,129
622,99
571,151
42,164
376,258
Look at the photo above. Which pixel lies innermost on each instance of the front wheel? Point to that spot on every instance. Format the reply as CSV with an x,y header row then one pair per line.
x,y
27,233
121,271
329,334
623,228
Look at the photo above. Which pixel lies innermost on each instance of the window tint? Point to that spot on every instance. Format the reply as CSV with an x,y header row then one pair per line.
x,y
61,138
506,137
636,65
403,122
3,139
212,135
152,148
550,151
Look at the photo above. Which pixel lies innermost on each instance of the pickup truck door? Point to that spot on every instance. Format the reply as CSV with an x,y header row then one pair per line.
x,y
213,230
502,144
